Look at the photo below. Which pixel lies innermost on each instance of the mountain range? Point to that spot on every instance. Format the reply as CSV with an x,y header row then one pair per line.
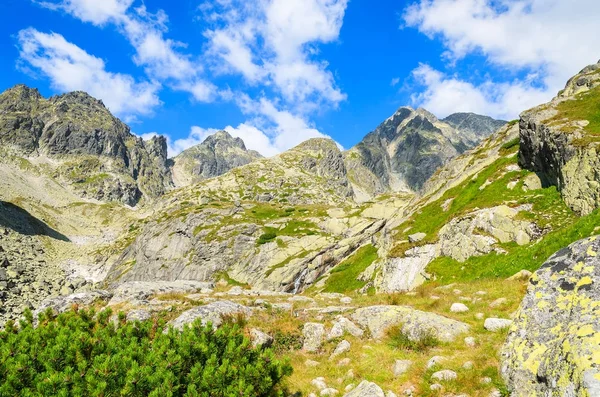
x,y
419,223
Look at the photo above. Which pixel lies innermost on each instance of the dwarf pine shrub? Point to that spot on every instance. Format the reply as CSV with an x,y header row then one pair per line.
x,y
79,353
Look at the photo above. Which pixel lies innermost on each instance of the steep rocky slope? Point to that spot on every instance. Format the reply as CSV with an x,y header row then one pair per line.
x,y
276,223
560,141
473,128
218,154
407,148
83,145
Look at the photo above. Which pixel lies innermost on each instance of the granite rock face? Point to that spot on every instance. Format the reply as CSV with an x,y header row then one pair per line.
x,y
406,149
218,154
263,224
557,145
87,147
473,128
552,348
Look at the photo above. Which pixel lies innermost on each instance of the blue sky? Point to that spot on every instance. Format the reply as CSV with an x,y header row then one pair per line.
x,y
276,72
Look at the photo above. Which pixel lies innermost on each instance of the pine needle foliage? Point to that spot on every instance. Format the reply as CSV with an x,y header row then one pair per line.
x,y
81,353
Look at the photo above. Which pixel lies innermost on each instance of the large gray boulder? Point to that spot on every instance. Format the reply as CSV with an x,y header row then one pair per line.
x,y
212,313
553,348
133,291
62,304
313,333
415,323
366,389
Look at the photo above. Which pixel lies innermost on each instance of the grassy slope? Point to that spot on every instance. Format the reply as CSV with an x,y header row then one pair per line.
x,y
374,360
585,106
343,277
549,212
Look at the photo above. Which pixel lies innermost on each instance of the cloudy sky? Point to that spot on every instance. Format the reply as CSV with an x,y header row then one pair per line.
x,y
277,72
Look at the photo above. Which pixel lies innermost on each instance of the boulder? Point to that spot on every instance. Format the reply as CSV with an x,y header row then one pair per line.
x,y
415,238
476,234
210,313
523,275
407,273
138,315
415,323
341,348
366,389
401,367
313,337
496,324
445,375
343,325
552,347
459,308
260,339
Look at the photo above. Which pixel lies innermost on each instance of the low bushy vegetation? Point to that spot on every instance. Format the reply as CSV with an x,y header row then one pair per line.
x,y
80,353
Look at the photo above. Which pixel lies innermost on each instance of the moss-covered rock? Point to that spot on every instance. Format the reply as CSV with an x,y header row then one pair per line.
x,y
553,345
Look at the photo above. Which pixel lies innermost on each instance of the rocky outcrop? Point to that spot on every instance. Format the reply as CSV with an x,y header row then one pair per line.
x,y
552,348
559,142
218,154
265,224
89,149
406,149
473,128
415,323
406,273
212,313
477,233
366,389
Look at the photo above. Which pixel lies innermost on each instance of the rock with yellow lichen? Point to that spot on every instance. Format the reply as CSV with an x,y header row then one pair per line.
x,y
553,348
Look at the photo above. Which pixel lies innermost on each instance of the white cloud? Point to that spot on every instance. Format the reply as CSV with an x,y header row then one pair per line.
x,y
549,40
444,95
270,130
395,81
274,41
98,12
70,68
159,56
272,44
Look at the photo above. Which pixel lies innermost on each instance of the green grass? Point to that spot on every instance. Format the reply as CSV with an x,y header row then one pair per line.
x,y
466,197
266,238
343,276
531,257
585,106
230,281
510,145
398,340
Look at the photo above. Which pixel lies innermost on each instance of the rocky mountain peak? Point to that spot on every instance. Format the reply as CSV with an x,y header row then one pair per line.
x,y
19,98
216,155
91,150
408,147
316,145
224,139
426,114
473,127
